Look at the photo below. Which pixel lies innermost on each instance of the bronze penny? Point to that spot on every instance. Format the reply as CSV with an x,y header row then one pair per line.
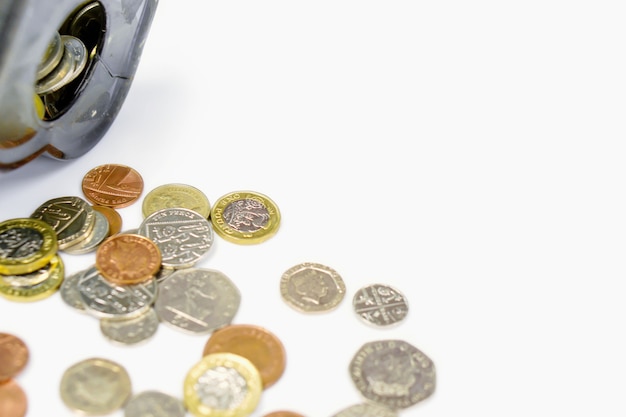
x,y
283,413
257,344
113,216
112,185
126,259
13,356
13,401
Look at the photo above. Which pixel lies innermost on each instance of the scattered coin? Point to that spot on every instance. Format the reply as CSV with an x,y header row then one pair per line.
x,y
176,195
113,216
112,185
71,217
255,343
69,291
154,404
366,410
222,384
26,245
13,401
283,413
95,386
93,239
132,330
30,279
392,373
55,274
245,217
380,305
13,356
126,259
311,287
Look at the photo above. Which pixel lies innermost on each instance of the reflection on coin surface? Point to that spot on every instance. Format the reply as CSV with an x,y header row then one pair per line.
x,y
26,245
95,386
283,413
132,330
128,259
93,239
69,291
55,274
366,410
183,236
312,287
112,185
176,195
154,404
255,343
13,401
71,217
222,385
245,217
380,305
392,373
30,279
113,217
13,356
197,300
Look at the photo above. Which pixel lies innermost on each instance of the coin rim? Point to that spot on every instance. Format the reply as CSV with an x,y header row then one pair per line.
x,y
48,250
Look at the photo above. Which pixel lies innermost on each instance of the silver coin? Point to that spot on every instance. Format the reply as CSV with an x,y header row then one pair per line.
x,y
154,404
380,305
366,410
69,291
95,237
132,330
105,299
197,300
183,236
71,217
312,287
392,373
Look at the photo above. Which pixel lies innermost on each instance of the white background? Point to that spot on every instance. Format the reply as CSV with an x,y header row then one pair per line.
x,y
468,153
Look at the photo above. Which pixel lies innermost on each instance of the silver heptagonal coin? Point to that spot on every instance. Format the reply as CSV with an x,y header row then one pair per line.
x,y
366,410
154,404
380,305
132,330
311,287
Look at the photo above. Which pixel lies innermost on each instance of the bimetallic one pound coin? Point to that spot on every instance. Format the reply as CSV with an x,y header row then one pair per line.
x,y
154,404
26,245
311,287
245,217
71,217
380,305
13,356
112,185
222,385
55,273
13,401
126,259
95,386
257,344
176,196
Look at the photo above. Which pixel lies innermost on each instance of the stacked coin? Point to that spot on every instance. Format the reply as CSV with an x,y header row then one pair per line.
x,y
14,357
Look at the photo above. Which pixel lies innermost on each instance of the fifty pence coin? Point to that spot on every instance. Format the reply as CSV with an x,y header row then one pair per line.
x,y
132,330
126,259
245,217
380,305
90,243
95,386
197,300
392,373
26,245
183,236
154,404
112,185
311,287
71,217
176,195
366,410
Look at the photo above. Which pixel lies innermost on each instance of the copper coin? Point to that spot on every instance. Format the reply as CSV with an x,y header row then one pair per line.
x,y
13,401
13,356
113,216
257,344
283,413
112,185
125,259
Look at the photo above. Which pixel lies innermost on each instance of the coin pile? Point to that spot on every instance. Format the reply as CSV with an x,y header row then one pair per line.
x,y
14,356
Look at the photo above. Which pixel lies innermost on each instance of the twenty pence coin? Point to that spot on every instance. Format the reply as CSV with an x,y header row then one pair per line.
x,y
222,385
312,287
176,195
94,238
55,274
95,386
112,185
71,217
126,259
245,217
380,305
26,245
13,401
257,344
13,356
154,404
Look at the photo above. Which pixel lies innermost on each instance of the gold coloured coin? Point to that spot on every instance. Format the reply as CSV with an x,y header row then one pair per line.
x,y
44,289
71,217
125,259
222,385
26,245
245,217
176,196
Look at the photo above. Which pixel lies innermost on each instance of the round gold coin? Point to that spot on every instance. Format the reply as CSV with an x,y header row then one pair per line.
x,y
245,217
55,273
26,245
222,385
176,196
125,259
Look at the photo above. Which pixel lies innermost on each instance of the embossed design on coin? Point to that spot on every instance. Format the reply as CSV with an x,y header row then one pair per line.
x,y
69,291
113,217
224,385
95,237
380,305
245,217
30,279
112,185
55,273
127,259
13,356
366,410
197,300
71,217
255,343
13,401
392,373
176,196
95,386
26,245
132,330
154,404
312,287
105,299
182,235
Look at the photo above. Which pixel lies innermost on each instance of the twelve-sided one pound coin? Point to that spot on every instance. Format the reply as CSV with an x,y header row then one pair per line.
x,y
26,245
